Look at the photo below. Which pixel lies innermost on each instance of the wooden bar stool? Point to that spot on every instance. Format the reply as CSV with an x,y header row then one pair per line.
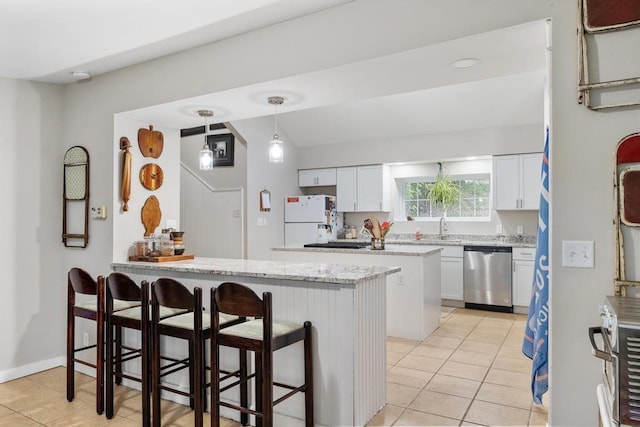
x,y
191,326
121,289
263,336
81,282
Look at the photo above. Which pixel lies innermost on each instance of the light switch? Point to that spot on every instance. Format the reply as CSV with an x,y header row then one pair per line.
x,y
519,230
578,253
172,223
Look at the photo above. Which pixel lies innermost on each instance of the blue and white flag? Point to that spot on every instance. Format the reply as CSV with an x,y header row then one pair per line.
x,y
536,340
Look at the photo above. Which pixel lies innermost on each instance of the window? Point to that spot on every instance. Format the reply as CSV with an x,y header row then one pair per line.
x,y
473,203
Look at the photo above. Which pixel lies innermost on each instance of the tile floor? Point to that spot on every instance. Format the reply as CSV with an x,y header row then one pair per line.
x,y
470,371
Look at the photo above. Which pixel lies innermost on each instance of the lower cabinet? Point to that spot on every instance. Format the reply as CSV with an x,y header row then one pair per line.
x,y
451,273
523,265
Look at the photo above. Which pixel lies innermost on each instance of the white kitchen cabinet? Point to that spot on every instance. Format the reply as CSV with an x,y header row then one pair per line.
x,y
523,265
316,177
347,189
362,189
451,273
517,181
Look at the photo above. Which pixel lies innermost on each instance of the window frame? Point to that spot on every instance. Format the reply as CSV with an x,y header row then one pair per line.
x,y
455,177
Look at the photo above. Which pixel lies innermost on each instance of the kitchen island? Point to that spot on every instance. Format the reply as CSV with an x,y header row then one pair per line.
x,y
346,305
413,294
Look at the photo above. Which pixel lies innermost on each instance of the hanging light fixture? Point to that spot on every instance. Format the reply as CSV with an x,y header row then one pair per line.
x,y
276,147
206,155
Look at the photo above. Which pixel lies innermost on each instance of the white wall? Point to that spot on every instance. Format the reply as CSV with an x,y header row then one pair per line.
x,y
127,225
581,163
281,179
428,148
33,286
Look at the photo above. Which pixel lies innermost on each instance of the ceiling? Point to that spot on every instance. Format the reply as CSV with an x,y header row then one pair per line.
x,y
405,94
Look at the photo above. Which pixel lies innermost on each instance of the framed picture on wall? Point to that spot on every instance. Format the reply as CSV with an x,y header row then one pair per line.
x,y
222,147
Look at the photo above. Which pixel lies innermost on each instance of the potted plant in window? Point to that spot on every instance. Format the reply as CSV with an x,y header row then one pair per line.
x,y
444,192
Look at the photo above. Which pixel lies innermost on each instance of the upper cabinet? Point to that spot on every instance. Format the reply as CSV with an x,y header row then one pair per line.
x,y
517,181
316,177
362,189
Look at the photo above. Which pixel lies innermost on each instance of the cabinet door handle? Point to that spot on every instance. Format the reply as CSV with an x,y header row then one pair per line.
x,y
354,206
380,205
513,266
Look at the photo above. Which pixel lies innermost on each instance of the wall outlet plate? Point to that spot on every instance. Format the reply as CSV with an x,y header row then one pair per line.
x,y
578,253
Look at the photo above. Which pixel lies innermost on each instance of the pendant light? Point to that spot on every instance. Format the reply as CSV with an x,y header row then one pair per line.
x,y
206,155
276,147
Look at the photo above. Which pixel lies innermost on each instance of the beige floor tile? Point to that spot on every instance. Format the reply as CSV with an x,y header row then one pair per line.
x,y
490,330
421,363
386,416
491,414
47,411
486,338
463,370
394,357
463,319
513,341
545,404
86,416
401,345
442,341
417,418
17,420
472,358
409,377
522,365
401,395
453,385
479,347
496,323
452,332
508,378
504,395
432,351
5,411
445,405
513,352
538,419
56,379
499,315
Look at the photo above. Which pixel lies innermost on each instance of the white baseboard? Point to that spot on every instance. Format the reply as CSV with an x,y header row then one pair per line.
x,y
33,368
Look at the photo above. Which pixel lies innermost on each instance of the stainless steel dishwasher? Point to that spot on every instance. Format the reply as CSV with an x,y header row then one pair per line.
x,y
487,278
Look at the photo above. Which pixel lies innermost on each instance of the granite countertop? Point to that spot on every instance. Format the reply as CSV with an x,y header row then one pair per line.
x,y
390,249
299,271
459,240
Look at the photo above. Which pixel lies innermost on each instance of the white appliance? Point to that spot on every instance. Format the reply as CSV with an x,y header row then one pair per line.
x,y
303,214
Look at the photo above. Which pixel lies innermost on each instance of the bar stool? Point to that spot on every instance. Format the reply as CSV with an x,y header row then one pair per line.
x,y
191,326
120,289
263,336
81,282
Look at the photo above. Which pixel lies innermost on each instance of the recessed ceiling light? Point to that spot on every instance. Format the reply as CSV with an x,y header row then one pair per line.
x,y
465,63
80,75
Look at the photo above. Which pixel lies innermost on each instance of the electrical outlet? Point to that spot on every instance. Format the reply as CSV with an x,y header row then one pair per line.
x,y
172,223
499,229
519,230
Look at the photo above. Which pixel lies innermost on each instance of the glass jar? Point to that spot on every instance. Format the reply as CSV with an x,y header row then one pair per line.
x,y
140,248
166,248
377,244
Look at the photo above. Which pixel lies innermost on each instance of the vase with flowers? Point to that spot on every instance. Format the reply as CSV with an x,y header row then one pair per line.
x,y
377,231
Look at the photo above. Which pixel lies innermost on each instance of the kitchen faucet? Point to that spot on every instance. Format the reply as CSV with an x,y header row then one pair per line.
x,y
443,227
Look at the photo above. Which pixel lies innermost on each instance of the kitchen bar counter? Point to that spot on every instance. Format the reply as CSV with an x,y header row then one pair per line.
x,y
346,305
413,294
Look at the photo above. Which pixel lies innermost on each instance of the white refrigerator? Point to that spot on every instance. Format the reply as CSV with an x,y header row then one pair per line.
x,y
302,214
